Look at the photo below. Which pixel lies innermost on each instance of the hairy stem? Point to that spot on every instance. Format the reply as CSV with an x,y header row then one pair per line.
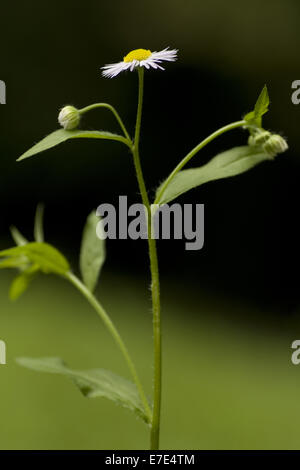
x,y
116,335
155,426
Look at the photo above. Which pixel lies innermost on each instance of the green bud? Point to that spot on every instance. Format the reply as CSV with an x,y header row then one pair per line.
x,y
251,141
259,138
275,144
69,117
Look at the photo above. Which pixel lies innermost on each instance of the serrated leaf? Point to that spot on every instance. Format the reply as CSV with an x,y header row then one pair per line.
x,y
92,383
230,163
261,107
57,137
38,230
92,253
48,258
20,284
18,238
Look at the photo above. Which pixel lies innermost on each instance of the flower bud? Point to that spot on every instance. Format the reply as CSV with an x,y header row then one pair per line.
x,y
259,138
69,117
274,145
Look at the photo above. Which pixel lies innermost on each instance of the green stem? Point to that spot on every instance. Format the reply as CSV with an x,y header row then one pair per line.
x,y
113,110
155,291
114,332
193,152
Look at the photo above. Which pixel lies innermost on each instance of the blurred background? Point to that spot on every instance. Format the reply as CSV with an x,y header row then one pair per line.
x,y
231,310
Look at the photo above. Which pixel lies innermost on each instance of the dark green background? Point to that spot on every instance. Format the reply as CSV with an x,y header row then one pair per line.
x,y
51,54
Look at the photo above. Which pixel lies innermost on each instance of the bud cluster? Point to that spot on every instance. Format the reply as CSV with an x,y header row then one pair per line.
x,y
272,144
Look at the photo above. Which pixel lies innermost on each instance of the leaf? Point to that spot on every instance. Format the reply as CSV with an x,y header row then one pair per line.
x,y
230,163
261,107
48,258
92,383
57,137
38,230
92,253
22,262
20,284
18,262
262,103
249,117
17,236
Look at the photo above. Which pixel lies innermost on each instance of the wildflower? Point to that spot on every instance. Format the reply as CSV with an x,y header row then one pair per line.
x,y
140,58
69,117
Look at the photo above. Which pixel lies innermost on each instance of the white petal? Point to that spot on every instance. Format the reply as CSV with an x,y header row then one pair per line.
x,y
111,70
144,63
165,54
152,63
133,64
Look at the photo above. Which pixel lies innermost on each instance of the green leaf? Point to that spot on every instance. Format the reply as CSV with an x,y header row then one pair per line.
x,y
17,236
262,103
21,282
261,107
20,262
57,137
38,224
92,383
92,253
226,164
249,117
48,258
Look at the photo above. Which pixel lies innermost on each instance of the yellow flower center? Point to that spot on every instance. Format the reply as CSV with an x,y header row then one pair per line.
x,y
137,54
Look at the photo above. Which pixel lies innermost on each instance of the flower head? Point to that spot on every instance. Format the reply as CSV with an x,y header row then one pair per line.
x,y
69,117
140,58
275,145
272,144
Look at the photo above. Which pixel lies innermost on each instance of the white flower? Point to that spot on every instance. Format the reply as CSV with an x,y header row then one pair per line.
x,y
140,58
